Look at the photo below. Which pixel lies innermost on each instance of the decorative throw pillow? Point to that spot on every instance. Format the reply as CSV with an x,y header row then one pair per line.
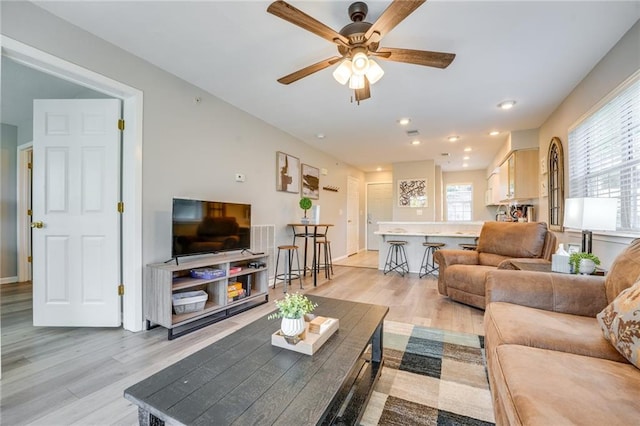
x,y
620,323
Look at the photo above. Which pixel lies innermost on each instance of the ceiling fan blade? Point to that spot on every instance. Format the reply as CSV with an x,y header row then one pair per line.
x,y
301,73
365,92
418,57
395,13
297,17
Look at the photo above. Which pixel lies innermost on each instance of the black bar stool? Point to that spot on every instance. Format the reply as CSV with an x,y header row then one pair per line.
x,y
323,252
289,273
396,258
428,266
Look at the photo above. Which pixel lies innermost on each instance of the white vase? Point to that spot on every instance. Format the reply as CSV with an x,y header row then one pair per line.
x,y
292,327
586,267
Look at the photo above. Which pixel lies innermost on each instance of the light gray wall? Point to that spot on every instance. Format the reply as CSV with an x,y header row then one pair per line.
x,y
614,68
8,195
415,170
192,149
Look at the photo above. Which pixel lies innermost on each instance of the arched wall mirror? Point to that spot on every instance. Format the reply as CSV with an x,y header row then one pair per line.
x,y
555,184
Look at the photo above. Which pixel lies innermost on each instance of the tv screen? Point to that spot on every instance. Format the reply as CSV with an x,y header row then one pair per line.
x,y
200,227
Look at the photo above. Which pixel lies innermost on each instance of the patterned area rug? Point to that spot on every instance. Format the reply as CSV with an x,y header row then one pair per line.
x,y
430,377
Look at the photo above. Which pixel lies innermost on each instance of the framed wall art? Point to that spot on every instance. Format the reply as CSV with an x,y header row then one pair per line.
x,y
412,193
287,173
310,182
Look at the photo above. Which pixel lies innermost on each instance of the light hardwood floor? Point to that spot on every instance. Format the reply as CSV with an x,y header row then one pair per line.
x,y
63,376
363,259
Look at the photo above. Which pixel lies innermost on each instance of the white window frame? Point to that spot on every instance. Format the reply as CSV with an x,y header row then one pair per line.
x,y
463,203
604,153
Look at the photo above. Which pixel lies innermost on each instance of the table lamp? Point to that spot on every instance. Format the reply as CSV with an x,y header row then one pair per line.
x,y
590,214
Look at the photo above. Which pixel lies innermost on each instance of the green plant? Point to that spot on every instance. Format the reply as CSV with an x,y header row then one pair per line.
x,y
305,204
575,258
293,306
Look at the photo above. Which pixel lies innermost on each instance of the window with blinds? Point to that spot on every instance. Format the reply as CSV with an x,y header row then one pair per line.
x,y
604,154
459,201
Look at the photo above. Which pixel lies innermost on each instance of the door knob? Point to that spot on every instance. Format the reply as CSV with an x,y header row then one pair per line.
x,y
37,225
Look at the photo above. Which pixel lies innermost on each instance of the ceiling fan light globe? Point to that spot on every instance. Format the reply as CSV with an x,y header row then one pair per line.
x,y
360,63
343,72
375,72
356,82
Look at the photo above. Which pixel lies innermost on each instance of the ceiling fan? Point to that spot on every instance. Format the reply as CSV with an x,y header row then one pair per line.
x,y
359,42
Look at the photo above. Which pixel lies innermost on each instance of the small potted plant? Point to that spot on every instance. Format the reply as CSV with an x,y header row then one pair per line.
x,y
305,204
583,263
292,310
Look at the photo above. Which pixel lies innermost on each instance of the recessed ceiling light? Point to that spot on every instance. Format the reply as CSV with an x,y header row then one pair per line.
x,y
494,133
404,121
506,104
379,169
453,138
466,157
467,149
320,135
465,165
415,142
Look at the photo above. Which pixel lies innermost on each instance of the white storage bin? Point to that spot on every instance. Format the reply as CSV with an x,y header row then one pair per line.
x,y
190,301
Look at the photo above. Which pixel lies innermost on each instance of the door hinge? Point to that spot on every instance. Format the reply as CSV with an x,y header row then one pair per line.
x,y
121,124
120,207
29,165
29,259
29,212
121,290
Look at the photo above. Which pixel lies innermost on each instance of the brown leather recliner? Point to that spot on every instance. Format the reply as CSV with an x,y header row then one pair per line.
x,y
462,273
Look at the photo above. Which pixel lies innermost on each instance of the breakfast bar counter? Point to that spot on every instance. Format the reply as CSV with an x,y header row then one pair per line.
x,y
452,234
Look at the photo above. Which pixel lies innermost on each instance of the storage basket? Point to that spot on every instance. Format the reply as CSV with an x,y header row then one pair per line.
x,y
190,301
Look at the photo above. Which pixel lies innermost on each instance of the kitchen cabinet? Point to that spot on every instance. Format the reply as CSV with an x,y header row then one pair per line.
x,y
494,193
519,176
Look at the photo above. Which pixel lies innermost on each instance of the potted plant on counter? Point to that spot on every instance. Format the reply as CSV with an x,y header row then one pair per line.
x,y
583,263
292,310
305,204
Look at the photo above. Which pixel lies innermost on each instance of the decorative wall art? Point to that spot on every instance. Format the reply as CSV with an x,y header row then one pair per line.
x,y
412,193
310,182
287,173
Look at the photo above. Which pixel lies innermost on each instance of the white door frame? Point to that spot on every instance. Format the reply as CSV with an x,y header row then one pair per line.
x,y
131,166
23,203
353,181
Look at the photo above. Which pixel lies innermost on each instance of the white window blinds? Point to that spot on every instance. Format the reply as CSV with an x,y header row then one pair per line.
x,y
459,201
604,154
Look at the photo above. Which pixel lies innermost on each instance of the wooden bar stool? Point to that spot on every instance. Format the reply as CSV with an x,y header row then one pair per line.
x,y
428,266
396,258
289,273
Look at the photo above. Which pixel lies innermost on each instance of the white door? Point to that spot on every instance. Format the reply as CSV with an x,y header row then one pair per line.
x,y
76,189
353,207
379,209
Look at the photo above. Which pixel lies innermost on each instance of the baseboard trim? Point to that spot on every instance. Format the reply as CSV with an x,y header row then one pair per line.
x,y
8,280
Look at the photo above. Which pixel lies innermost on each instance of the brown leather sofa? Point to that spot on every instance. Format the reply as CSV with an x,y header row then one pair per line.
x,y
547,359
462,273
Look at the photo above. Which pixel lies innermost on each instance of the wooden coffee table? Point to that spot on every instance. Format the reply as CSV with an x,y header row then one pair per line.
x,y
243,379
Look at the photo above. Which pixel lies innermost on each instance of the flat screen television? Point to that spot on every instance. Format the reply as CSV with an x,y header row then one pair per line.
x,y
200,227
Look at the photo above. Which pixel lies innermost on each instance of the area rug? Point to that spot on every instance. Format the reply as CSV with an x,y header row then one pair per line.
x,y
430,377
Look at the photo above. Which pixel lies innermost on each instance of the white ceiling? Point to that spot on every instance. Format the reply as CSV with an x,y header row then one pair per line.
x,y
532,51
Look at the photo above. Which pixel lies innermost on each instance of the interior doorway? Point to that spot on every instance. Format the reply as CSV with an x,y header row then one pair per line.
x,y
353,209
131,162
23,200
